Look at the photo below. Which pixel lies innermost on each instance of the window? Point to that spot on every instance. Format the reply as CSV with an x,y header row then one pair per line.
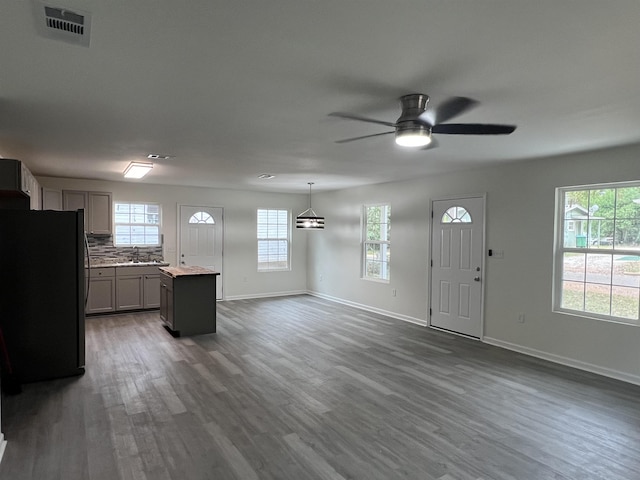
x,y
597,256
273,240
136,224
456,215
202,217
376,247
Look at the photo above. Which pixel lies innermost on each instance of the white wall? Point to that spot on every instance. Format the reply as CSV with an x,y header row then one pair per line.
x,y
520,221
240,276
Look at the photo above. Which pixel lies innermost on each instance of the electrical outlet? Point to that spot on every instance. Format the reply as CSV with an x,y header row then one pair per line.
x,y
393,292
321,277
521,318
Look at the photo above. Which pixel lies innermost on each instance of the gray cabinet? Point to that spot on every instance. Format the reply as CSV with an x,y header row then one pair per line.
x,y
117,289
188,303
102,290
97,209
166,300
151,291
137,288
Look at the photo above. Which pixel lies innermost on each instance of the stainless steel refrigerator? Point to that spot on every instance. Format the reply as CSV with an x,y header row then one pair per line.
x,y
42,292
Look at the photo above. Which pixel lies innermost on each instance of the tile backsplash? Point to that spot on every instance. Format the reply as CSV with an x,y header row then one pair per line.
x,y
102,249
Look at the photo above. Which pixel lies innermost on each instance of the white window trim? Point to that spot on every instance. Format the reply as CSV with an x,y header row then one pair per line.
x,y
364,242
159,224
559,249
288,239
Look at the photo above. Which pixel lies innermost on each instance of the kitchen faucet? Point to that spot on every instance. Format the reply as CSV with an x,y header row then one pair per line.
x,y
136,254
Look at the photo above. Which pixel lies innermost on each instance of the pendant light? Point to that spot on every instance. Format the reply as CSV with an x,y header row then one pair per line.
x,y
308,219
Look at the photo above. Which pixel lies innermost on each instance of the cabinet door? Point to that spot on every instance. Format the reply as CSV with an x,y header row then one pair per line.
x,y
129,292
34,189
151,291
51,199
99,213
101,295
74,200
166,301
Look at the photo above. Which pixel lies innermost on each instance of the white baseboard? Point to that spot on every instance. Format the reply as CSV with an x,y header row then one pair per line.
x,y
3,445
398,316
569,362
265,295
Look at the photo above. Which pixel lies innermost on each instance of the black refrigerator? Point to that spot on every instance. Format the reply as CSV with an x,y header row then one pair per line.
x,y
42,292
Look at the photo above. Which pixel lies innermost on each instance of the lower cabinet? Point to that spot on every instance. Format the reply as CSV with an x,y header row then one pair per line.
x,y
137,288
188,303
166,300
129,289
117,289
102,290
151,290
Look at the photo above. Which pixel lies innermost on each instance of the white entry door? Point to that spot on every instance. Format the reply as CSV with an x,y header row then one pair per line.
x,y
457,232
201,233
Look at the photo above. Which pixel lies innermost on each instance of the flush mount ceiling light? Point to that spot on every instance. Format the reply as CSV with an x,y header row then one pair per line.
x,y
137,169
308,219
266,176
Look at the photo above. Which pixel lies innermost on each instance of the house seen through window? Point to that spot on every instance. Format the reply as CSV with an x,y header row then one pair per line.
x,y
136,224
597,258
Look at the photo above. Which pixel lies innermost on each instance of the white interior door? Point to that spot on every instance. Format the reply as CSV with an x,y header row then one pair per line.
x,y
201,233
457,236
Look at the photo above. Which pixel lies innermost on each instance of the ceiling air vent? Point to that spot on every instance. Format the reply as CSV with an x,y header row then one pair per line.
x,y
60,23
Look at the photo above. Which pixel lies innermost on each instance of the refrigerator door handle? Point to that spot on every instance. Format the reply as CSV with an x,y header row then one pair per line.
x,y
86,290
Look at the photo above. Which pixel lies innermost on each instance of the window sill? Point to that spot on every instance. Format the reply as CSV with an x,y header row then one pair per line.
x,y
592,316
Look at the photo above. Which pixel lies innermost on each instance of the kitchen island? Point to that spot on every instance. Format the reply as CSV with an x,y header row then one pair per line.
x,y
188,300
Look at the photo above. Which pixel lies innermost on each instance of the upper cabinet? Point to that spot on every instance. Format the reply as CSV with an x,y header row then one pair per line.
x,y
100,213
51,199
97,209
20,188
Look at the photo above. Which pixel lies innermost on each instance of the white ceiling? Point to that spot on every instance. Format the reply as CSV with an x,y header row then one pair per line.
x,y
233,89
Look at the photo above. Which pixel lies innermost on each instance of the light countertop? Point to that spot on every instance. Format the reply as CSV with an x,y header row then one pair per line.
x,y
188,270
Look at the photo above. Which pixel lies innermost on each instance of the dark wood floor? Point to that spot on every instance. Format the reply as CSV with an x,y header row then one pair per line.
x,y
301,388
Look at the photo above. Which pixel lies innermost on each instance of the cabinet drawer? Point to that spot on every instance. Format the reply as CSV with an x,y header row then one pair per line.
x,y
102,272
130,271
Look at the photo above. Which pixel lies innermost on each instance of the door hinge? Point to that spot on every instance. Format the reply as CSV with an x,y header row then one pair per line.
x,y
429,312
431,213
432,263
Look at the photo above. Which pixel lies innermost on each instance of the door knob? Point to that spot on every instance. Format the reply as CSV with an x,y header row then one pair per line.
x,y
476,279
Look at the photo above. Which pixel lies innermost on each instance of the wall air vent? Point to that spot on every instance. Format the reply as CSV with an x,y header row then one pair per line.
x,y
60,23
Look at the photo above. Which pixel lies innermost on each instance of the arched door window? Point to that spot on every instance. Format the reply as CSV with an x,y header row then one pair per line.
x,y
202,217
456,215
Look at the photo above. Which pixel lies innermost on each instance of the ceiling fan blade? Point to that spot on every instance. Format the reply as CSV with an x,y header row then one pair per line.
x,y
453,107
347,140
472,129
350,116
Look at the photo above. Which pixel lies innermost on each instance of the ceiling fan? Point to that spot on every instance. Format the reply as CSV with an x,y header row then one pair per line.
x,y
416,124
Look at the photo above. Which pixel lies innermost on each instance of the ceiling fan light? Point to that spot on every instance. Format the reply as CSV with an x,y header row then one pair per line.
x,y
413,138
